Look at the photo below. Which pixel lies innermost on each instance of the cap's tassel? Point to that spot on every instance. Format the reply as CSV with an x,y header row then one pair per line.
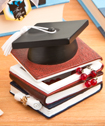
x,y
28,100
7,47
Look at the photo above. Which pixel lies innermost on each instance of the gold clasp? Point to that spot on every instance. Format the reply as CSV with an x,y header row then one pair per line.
x,y
24,100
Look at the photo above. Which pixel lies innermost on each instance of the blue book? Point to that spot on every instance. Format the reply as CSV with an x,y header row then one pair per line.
x,y
99,22
57,107
44,13
100,4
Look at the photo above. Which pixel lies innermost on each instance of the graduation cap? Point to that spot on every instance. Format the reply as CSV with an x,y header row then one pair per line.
x,y
45,48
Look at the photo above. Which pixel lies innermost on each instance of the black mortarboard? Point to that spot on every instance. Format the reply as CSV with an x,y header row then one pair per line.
x,y
45,48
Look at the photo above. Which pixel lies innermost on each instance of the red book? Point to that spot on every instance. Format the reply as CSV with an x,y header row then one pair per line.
x,y
84,56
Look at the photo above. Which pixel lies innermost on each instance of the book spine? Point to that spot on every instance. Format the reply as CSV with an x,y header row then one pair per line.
x,y
30,90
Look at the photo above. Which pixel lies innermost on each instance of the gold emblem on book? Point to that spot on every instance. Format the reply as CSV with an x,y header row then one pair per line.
x,y
24,100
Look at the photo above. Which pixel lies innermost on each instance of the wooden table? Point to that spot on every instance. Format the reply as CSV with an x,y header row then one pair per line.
x,y
89,112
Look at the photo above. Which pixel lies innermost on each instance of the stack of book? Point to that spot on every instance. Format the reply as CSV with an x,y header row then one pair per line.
x,y
47,11
96,11
52,87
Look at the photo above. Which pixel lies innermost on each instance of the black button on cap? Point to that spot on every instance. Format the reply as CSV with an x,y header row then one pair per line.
x,y
51,29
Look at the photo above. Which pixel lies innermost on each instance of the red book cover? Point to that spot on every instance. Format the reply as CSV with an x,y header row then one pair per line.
x,y
84,55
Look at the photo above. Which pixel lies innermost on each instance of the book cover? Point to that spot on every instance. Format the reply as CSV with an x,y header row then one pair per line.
x,y
94,14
